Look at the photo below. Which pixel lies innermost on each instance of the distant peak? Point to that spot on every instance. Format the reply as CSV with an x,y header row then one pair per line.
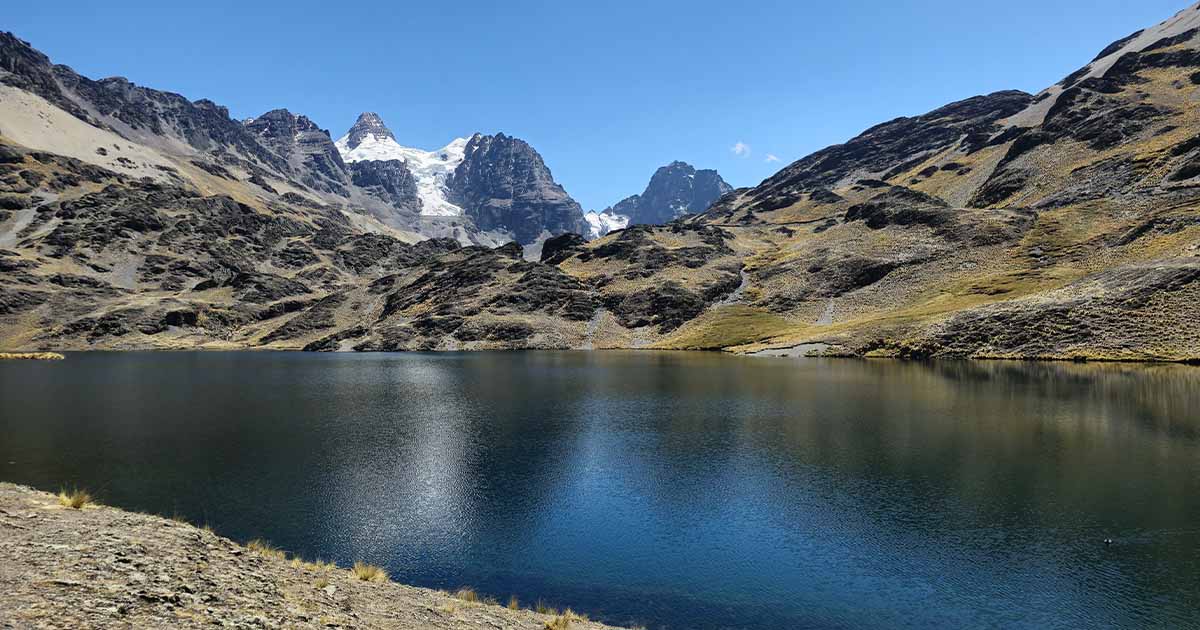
x,y
370,119
368,124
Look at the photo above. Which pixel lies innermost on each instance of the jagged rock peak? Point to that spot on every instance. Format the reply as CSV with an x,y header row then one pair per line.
x,y
503,184
675,190
368,124
282,121
306,147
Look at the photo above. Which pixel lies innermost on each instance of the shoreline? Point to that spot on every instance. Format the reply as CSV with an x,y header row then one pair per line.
x,y
31,356
771,353
96,566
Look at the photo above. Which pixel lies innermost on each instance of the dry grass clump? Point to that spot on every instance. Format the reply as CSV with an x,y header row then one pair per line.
x,y
467,594
316,565
368,572
514,603
563,621
543,609
74,499
266,549
35,356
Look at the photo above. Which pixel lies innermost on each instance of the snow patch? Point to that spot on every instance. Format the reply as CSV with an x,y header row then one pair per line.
x,y
601,223
431,169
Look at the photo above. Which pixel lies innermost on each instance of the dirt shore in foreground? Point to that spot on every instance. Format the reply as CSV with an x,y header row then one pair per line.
x,y
103,567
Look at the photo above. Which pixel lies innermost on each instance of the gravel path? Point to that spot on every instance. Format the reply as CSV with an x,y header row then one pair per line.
x,y
102,567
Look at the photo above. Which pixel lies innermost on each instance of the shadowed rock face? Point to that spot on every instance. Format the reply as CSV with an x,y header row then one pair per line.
x,y
675,190
503,185
308,148
388,180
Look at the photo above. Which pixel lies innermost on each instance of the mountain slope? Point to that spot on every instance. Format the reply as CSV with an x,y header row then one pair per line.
x,y
1064,224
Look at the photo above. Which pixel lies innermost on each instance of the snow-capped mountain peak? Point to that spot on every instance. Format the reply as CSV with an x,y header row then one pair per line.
x,y
370,139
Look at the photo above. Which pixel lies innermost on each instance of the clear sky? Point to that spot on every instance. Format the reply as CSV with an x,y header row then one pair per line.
x,y
606,91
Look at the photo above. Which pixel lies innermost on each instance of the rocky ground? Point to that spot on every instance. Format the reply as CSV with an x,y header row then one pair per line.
x,y
102,567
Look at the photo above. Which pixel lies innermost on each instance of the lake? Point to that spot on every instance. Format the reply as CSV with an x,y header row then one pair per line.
x,y
674,490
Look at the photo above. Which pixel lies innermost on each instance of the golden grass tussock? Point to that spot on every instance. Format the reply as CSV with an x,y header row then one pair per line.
x,y
368,572
543,609
31,356
266,549
514,603
315,565
467,594
564,620
558,623
75,499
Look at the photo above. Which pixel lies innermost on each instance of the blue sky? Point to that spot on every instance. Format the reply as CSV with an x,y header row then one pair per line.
x,y
606,91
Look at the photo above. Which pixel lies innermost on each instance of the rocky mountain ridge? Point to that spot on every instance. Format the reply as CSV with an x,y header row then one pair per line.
x,y
274,153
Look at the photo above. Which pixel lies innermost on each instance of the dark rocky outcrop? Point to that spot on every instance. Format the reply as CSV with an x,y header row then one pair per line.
x,y
448,280
637,247
388,180
667,306
494,331
320,316
562,247
549,290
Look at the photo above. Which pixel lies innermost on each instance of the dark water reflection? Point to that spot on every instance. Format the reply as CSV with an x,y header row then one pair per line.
x,y
674,490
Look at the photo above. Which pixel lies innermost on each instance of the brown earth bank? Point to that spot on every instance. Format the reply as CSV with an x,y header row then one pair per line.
x,y
95,566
